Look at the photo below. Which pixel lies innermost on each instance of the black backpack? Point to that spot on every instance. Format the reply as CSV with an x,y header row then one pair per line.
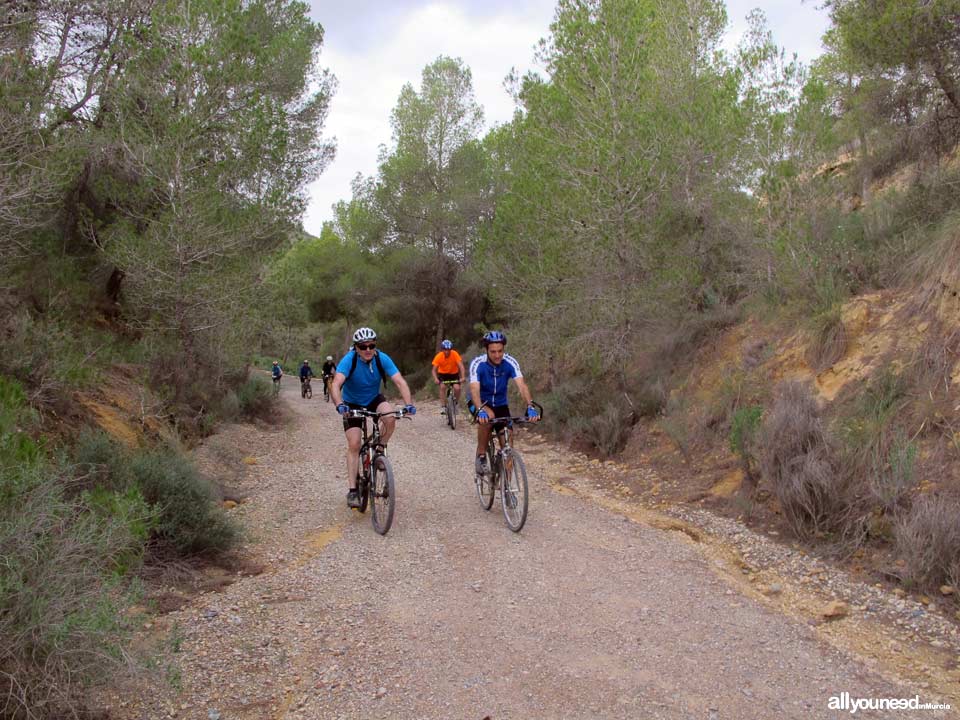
x,y
376,356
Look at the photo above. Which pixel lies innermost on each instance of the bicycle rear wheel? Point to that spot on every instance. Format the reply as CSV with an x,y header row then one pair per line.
x,y
451,410
513,490
384,495
485,486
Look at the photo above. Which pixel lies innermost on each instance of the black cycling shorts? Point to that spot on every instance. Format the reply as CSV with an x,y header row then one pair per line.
x,y
448,376
501,411
349,422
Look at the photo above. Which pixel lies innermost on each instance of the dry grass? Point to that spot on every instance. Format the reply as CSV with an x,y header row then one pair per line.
x,y
797,461
828,342
928,539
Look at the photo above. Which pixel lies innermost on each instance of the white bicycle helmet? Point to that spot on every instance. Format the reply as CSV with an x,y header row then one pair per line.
x,y
329,357
364,334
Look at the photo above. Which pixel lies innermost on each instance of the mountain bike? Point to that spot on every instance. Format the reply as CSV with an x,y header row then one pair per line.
x,y
306,390
326,387
375,474
276,384
506,471
450,406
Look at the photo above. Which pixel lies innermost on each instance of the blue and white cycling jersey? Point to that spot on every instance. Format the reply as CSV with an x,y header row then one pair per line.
x,y
493,379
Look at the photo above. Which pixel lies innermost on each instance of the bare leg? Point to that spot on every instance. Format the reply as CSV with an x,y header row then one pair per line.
x,y
483,437
354,440
389,423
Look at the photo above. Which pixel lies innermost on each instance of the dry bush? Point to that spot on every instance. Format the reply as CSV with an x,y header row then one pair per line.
x,y
798,462
608,430
828,341
928,540
928,377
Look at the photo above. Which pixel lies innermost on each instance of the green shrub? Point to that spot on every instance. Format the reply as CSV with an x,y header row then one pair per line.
x,y
255,398
59,597
101,462
128,512
228,408
744,426
16,446
188,517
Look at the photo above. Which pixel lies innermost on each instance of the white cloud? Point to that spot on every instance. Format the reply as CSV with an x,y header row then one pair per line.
x,y
383,44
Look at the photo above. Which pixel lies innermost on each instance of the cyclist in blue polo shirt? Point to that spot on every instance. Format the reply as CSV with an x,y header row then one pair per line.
x,y
489,375
356,385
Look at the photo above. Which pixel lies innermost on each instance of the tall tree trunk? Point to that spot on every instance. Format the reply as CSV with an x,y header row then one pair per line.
x,y
947,82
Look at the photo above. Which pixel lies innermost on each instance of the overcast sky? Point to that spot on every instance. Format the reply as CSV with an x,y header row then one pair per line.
x,y
375,46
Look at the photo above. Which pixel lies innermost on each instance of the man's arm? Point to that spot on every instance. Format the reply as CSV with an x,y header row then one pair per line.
x,y
436,378
524,390
402,386
338,380
463,372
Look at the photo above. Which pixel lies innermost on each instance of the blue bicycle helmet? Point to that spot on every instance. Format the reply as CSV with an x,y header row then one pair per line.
x,y
446,345
494,336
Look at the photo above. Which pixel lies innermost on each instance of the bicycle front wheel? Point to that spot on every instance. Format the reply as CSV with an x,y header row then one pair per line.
x,y
513,490
384,495
451,410
485,485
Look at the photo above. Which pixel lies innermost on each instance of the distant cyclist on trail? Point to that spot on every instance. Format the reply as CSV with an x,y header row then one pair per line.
x,y
359,375
328,369
448,365
306,372
489,375
277,371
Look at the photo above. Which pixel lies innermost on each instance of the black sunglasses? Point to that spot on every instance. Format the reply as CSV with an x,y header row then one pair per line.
x,y
368,346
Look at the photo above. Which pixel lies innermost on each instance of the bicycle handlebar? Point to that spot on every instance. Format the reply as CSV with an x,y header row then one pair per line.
x,y
361,413
519,420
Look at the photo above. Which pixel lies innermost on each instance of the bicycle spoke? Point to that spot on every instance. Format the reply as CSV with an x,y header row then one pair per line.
x,y
384,495
513,491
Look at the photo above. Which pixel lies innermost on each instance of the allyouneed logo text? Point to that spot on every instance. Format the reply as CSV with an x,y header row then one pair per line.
x,y
844,701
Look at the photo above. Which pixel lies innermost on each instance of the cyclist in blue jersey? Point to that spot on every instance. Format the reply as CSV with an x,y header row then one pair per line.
x,y
489,376
356,385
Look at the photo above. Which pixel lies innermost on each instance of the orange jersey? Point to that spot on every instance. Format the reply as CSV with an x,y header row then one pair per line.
x,y
448,365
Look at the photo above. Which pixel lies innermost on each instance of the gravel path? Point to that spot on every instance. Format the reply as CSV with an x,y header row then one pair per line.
x,y
590,612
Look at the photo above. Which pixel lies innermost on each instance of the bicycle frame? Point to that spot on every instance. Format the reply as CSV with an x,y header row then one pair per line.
x,y
506,470
372,457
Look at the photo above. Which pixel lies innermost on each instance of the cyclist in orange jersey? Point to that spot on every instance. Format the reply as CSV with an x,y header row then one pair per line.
x,y
448,365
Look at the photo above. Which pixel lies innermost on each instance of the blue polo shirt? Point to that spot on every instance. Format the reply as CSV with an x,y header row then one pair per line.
x,y
363,386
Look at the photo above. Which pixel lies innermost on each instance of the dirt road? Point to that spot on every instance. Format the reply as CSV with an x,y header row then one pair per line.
x,y
585,614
